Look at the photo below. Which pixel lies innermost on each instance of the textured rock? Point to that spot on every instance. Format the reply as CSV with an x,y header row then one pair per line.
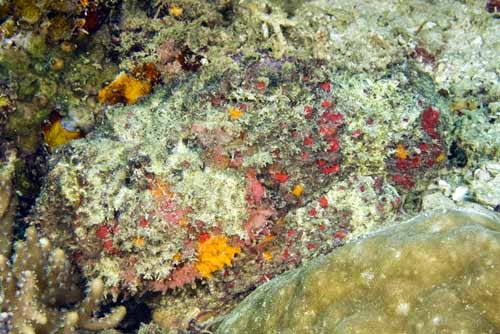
x,y
486,185
8,201
436,273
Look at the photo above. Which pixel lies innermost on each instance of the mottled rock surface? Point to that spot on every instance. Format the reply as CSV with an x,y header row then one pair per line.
x,y
436,273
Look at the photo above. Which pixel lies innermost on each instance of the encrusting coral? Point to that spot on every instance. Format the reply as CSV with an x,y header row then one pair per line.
x,y
41,281
433,274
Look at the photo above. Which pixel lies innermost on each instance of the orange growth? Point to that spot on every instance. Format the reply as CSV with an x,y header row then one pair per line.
x,y
161,190
139,242
175,10
441,157
297,190
235,113
213,254
268,238
401,152
177,257
55,134
124,88
267,256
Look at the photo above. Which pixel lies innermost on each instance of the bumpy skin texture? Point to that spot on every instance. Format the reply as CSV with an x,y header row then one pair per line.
x,y
228,152
436,273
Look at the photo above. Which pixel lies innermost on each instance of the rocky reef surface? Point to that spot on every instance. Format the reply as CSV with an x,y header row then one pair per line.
x,y
433,274
237,140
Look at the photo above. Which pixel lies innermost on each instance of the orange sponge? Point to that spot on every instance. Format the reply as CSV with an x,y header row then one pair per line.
x,y
54,134
124,89
214,254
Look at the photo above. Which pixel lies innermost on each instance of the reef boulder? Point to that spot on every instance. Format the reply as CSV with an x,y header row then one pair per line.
x,y
436,273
